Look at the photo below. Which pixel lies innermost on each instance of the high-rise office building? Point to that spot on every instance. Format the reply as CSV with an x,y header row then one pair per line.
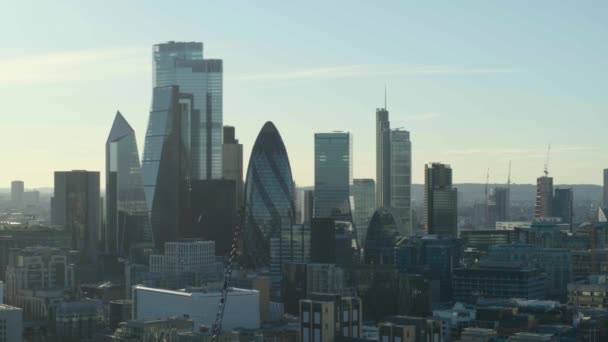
x,y
127,221
333,175
182,64
364,196
166,164
269,196
563,205
440,200
502,203
401,177
308,204
382,236
233,162
544,197
605,188
383,192
76,208
17,189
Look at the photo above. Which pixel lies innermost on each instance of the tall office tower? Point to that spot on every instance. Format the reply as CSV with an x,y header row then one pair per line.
x,y
401,177
127,221
502,204
544,197
233,162
605,188
364,196
563,205
440,200
269,197
182,64
76,208
333,175
166,164
17,189
383,192
308,205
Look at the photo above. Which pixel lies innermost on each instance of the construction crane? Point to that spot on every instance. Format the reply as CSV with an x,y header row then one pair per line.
x,y
547,161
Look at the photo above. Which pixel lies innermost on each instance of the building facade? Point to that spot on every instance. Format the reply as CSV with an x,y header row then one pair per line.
x,y
193,260
324,317
544,197
563,206
127,221
385,228
76,207
233,162
166,164
333,175
364,196
182,64
11,323
401,177
502,202
383,138
17,190
440,200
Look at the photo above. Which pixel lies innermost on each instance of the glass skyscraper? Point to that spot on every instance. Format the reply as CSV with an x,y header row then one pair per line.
x,y
333,175
440,200
166,164
401,177
182,64
364,196
383,192
382,236
127,221
269,201
233,162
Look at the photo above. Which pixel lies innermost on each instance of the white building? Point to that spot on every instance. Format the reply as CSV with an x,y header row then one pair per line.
x,y
11,323
242,306
188,256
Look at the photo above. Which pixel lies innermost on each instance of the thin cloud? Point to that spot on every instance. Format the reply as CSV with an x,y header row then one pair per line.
x,y
368,70
422,117
520,153
76,65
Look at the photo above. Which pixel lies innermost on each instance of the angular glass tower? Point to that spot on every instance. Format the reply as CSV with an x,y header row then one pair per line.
x,y
333,175
182,64
269,197
127,221
166,164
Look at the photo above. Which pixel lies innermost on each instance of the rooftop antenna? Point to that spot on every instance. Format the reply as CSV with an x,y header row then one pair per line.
x,y
385,96
509,177
547,161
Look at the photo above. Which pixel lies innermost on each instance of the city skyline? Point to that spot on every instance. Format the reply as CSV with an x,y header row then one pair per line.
x,y
531,71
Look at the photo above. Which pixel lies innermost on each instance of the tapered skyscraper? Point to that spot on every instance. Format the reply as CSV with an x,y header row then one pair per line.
x,y
182,64
333,175
440,200
127,221
166,164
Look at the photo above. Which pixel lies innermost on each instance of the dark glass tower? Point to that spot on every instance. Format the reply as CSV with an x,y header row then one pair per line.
x,y
269,196
166,165
440,200
382,236
563,205
127,221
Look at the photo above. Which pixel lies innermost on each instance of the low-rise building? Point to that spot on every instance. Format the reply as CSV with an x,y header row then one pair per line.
x,y
455,319
410,329
153,330
11,323
323,317
590,293
478,335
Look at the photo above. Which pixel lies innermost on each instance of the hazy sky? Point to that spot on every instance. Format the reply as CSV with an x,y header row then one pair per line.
x,y
477,83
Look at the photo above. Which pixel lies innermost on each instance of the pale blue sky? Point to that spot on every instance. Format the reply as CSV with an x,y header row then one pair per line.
x,y
477,83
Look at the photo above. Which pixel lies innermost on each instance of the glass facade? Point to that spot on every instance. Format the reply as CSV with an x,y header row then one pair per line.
x,y
440,200
382,236
364,196
333,175
182,64
401,177
269,199
127,221
383,192
165,164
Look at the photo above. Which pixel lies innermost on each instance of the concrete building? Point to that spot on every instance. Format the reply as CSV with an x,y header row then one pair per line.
x,y
242,306
233,162
410,329
478,335
17,190
590,293
11,323
324,317
153,329
544,197
456,319
191,260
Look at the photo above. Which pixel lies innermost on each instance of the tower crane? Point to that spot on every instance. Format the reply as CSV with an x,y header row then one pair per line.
x,y
547,161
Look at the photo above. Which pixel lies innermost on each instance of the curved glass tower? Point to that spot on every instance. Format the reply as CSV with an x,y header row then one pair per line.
x,y
126,211
382,235
269,197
